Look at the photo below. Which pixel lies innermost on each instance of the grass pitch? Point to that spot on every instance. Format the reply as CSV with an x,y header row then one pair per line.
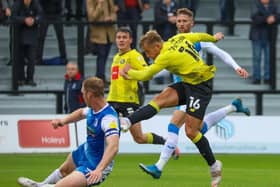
x,y
190,170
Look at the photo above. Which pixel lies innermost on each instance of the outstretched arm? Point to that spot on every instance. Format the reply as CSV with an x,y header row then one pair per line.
x,y
225,57
77,115
203,37
143,75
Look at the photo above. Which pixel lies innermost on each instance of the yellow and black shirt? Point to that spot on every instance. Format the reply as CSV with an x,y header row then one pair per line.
x,y
122,90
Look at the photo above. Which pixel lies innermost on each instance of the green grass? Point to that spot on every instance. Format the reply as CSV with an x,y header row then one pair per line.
x,y
190,170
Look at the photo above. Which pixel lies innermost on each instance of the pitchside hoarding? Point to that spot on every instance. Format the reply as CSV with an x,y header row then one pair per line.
x,y
234,134
33,133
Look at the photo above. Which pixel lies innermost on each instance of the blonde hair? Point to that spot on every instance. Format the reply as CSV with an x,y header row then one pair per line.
x,y
184,11
151,37
94,85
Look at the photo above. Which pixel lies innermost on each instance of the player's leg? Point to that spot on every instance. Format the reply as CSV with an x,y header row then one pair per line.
x,y
167,98
176,122
198,98
66,168
74,179
126,109
145,138
211,119
192,128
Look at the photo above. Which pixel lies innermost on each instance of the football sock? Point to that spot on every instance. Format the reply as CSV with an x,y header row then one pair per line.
x,y
153,138
169,146
213,118
203,146
53,178
143,113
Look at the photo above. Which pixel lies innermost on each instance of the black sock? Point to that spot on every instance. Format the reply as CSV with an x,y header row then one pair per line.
x,y
205,150
143,113
158,139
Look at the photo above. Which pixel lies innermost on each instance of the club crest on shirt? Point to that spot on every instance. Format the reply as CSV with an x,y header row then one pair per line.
x,y
122,61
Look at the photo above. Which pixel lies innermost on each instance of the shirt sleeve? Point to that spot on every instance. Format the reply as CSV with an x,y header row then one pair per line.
x,y
85,111
220,53
149,71
110,125
200,37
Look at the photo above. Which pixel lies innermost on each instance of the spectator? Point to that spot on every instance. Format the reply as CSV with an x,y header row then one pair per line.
x,y
6,6
264,18
227,10
2,12
101,36
72,88
165,25
53,11
7,12
165,18
27,13
190,4
131,10
80,9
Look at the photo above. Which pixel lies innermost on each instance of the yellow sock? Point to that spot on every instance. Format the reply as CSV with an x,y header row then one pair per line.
x,y
197,138
154,105
150,138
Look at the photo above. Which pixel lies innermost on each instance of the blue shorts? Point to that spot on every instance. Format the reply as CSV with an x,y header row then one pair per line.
x,y
84,165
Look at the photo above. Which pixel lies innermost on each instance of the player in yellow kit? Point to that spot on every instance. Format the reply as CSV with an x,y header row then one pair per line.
x,y
123,93
179,56
184,23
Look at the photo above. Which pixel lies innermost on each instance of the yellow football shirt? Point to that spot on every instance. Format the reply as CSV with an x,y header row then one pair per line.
x,y
122,90
179,56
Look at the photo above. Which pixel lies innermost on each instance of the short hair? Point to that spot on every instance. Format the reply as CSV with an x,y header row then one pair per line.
x,y
94,85
72,63
184,11
151,37
125,30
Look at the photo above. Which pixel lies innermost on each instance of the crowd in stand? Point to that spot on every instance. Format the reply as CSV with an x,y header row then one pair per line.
x,y
32,29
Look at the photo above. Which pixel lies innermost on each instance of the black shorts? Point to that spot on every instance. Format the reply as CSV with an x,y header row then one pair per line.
x,y
125,109
195,97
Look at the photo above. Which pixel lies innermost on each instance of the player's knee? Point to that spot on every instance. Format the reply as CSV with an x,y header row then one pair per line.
x,y
190,133
64,171
158,101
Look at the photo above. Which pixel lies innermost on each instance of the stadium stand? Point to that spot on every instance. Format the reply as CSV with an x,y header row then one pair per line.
x,y
51,77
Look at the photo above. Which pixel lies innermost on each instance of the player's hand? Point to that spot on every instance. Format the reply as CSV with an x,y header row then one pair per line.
x,y
56,123
219,36
146,6
8,12
29,21
94,176
271,19
242,73
123,72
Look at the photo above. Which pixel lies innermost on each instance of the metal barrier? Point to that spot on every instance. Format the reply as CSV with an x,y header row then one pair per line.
x,y
58,93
